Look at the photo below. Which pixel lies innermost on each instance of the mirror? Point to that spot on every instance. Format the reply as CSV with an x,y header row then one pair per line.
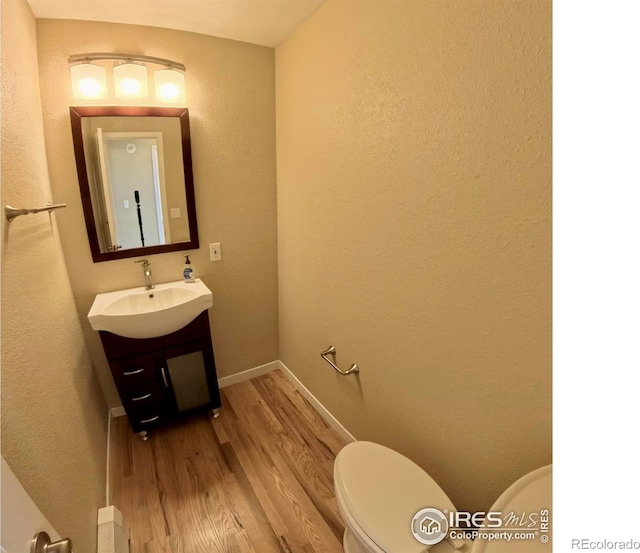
x,y
136,180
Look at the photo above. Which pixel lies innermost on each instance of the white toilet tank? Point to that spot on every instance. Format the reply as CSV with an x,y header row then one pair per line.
x,y
530,499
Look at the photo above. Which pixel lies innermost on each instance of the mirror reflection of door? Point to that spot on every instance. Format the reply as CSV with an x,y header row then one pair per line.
x,y
133,189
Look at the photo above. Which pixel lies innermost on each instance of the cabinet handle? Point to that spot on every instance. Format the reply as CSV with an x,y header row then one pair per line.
x,y
145,421
164,377
146,396
130,373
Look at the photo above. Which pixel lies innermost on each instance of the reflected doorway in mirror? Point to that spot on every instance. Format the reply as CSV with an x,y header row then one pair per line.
x,y
132,173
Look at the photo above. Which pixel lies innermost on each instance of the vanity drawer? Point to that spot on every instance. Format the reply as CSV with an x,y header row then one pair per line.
x,y
141,394
131,371
147,416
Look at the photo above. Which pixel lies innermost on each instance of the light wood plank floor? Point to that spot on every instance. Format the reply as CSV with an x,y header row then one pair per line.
x,y
257,479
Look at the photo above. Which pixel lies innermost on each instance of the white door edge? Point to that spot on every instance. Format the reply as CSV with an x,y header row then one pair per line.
x,y
20,518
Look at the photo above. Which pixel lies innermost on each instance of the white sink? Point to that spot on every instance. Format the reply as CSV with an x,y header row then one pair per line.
x,y
140,313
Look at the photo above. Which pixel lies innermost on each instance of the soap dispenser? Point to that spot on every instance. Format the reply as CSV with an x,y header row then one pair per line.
x,y
188,273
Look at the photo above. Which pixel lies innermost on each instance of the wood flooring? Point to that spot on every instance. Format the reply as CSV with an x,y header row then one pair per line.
x,y
257,479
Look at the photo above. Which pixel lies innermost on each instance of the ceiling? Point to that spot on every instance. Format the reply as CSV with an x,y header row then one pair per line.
x,y
264,22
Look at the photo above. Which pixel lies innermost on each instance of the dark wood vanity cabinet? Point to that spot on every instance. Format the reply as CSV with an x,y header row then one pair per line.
x,y
162,379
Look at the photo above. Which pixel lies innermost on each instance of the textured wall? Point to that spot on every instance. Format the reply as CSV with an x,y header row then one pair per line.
x,y
230,95
53,412
414,229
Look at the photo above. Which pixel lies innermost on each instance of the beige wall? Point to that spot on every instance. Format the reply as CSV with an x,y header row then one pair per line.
x,y
230,94
53,412
414,229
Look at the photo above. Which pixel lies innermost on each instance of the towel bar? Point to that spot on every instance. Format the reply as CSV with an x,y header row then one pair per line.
x,y
354,369
12,212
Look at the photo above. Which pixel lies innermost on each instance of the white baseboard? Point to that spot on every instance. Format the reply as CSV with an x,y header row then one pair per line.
x,y
248,374
117,412
107,495
334,423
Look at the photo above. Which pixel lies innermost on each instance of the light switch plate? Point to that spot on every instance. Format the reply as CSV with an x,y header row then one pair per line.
x,y
214,252
175,213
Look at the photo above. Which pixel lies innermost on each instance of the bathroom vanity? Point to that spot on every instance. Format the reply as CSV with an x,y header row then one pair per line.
x,y
158,343
164,378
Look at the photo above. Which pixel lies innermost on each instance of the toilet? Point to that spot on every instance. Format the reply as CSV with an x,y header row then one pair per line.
x,y
379,491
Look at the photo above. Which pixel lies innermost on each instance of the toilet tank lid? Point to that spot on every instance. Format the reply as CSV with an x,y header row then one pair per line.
x,y
529,496
383,490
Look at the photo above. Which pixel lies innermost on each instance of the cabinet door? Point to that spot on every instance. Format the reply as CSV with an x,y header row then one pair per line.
x,y
189,373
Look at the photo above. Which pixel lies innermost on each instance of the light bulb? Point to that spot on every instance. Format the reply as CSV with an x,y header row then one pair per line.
x,y
130,80
89,88
168,91
130,87
169,86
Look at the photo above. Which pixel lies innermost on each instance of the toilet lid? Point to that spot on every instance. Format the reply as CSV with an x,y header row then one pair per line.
x,y
527,498
383,490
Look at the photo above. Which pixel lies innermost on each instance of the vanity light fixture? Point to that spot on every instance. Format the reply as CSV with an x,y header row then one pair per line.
x,y
88,79
169,86
130,80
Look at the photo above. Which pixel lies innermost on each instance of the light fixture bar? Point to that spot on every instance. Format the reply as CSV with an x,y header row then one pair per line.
x,y
79,58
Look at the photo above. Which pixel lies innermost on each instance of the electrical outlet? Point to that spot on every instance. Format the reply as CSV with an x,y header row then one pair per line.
x,y
214,252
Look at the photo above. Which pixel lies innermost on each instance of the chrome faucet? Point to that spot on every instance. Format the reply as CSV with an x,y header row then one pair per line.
x,y
146,267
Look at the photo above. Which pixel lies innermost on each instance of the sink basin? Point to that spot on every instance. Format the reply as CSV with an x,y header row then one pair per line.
x,y
140,313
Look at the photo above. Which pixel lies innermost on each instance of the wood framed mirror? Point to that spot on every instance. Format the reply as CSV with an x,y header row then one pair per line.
x,y
136,179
